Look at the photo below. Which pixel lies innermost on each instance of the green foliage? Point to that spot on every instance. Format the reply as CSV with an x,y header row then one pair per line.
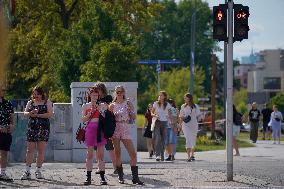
x,y
279,101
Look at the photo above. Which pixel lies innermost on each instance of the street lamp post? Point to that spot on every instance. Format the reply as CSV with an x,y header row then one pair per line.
x,y
192,53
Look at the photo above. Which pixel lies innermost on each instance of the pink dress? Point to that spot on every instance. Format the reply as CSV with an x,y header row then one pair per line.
x,y
122,129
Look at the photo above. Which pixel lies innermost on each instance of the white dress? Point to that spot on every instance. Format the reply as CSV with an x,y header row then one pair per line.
x,y
190,129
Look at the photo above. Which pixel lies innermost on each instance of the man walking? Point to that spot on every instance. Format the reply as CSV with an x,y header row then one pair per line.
x,y
254,115
266,114
6,128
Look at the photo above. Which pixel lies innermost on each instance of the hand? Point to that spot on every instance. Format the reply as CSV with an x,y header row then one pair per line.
x,y
3,130
89,114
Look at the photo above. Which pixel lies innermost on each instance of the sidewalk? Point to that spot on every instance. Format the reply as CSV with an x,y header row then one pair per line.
x,y
261,166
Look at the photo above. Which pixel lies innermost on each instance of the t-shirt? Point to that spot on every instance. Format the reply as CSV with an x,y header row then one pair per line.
x,y
254,115
6,109
266,113
162,112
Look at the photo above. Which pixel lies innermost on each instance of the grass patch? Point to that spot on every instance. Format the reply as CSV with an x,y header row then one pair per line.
x,y
205,144
245,136
140,120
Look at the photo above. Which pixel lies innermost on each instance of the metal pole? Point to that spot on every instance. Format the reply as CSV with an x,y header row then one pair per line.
x,y
229,116
213,93
192,53
225,73
158,71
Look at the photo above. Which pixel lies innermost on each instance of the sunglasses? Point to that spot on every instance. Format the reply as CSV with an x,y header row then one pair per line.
x,y
119,92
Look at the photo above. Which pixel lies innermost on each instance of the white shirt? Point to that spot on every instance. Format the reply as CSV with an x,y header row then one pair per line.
x,y
162,112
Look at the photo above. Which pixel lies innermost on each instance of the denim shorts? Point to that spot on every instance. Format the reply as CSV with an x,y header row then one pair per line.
x,y
171,137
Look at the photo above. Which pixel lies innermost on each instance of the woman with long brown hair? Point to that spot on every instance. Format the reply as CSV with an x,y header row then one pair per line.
x,y
39,109
189,115
162,117
124,113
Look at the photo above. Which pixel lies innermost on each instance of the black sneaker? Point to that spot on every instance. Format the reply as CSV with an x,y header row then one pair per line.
x,y
169,158
192,158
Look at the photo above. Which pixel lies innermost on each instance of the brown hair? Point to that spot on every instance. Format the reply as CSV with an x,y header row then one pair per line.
x,y
40,91
172,102
190,97
165,100
102,87
115,89
90,91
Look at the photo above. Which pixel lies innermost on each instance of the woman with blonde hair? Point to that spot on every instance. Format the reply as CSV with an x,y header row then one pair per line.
x,y
124,113
189,116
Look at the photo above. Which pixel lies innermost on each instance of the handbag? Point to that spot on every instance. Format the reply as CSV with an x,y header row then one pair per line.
x,y
187,119
80,134
277,119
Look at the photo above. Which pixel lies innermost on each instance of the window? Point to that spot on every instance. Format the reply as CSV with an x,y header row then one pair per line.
x,y
272,83
282,61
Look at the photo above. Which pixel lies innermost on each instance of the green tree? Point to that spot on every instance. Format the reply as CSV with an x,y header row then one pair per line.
x,y
279,101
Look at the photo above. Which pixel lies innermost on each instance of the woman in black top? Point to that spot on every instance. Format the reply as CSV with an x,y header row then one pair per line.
x,y
38,110
148,133
6,128
105,98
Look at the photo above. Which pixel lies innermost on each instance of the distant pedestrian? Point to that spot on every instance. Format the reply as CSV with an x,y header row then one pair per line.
x,y
39,110
105,98
148,133
237,122
254,115
275,122
162,117
189,116
266,129
171,139
6,128
90,115
124,113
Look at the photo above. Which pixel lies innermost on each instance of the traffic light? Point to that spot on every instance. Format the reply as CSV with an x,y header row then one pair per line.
x,y
220,22
241,27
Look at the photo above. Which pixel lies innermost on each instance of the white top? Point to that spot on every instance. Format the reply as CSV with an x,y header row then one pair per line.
x,y
193,112
163,113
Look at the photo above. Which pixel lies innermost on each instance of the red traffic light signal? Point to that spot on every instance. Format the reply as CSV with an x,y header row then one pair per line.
x,y
241,27
220,22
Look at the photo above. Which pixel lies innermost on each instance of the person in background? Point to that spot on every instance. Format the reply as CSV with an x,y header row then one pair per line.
x,y
105,98
161,112
171,139
148,133
39,110
237,122
266,114
123,110
6,128
254,115
275,122
189,116
90,115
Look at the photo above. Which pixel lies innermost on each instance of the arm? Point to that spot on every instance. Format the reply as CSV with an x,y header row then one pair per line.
x,y
12,124
153,112
131,110
28,113
170,116
85,116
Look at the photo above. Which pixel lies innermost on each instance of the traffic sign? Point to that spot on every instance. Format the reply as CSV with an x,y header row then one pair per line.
x,y
173,61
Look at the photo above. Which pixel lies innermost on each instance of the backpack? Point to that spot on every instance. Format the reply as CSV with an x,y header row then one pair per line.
x,y
107,124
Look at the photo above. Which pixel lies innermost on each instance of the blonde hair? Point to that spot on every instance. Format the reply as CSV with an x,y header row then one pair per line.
x,y
115,89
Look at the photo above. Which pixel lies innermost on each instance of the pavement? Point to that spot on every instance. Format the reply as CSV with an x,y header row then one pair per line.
x,y
257,167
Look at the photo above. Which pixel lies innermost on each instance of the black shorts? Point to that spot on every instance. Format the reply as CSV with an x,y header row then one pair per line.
x,y
5,141
108,145
265,127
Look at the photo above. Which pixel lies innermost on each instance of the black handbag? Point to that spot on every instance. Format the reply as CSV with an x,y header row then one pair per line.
x,y
187,119
277,119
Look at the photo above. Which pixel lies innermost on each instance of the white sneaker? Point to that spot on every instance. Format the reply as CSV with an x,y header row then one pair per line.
x,y
26,176
38,175
5,177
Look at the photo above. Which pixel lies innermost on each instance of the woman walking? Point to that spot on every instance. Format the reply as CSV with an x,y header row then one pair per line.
x,y
275,122
172,131
189,115
38,110
124,113
148,133
161,112
90,115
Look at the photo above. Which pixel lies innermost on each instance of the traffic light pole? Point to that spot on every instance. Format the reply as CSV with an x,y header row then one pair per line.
x,y
229,103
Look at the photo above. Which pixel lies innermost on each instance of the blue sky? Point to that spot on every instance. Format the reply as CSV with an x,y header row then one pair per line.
x,y
266,23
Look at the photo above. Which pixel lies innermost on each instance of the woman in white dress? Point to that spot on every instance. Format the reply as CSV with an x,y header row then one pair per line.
x,y
189,115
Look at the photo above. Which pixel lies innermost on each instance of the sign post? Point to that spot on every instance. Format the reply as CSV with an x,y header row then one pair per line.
x,y
158,66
